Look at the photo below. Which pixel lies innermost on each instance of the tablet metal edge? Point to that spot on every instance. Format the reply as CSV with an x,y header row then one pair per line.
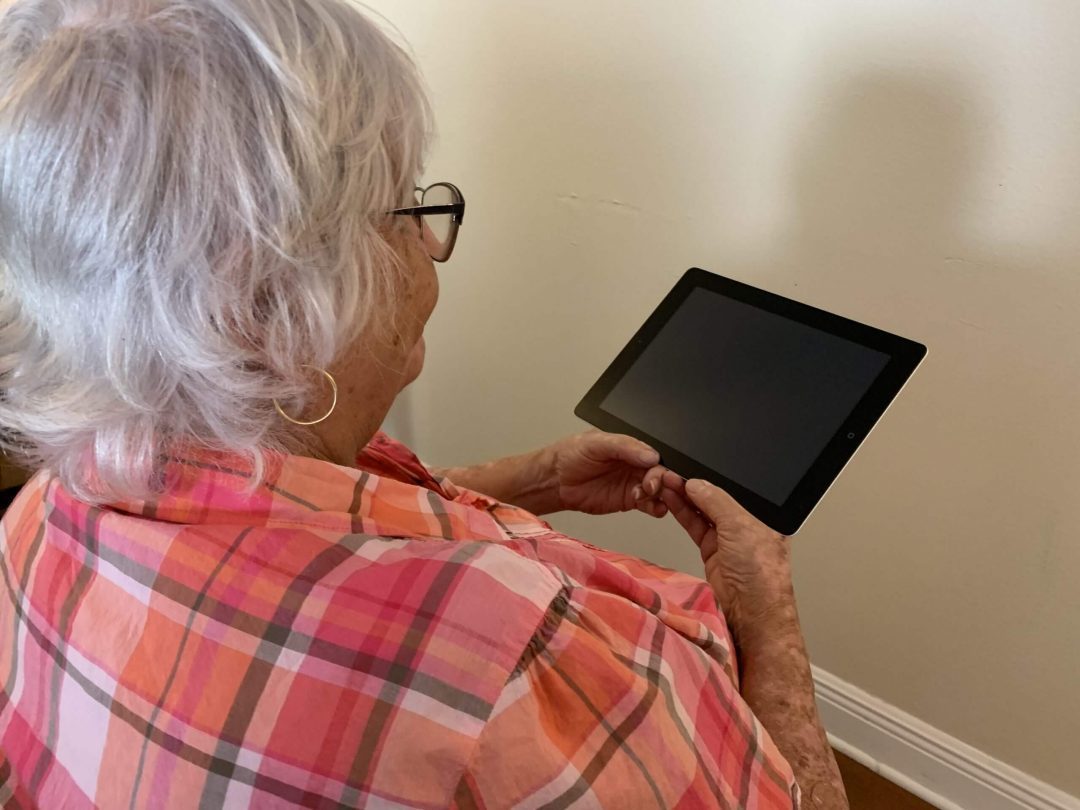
x,y
857,449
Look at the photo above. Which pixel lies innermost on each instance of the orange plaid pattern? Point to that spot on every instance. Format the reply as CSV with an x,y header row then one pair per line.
x,y
367,637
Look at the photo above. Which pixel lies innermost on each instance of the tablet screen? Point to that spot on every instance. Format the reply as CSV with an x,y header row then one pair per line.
x,y
747,392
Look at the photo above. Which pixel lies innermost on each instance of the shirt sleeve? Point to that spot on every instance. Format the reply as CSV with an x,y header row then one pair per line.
x,y
611,707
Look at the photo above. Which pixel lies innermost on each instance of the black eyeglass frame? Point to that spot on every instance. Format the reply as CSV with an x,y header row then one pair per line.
x,y
456,210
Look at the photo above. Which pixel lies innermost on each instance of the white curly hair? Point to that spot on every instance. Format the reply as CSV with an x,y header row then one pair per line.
x,y
192,209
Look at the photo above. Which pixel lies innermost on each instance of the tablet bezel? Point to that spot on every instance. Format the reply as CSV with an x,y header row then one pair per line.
x,y
904,357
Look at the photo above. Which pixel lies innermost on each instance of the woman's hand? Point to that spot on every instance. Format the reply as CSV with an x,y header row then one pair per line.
x,y
747,564
599,473
749,568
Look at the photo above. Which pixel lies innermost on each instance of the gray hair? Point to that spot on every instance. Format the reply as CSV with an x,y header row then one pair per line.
x,y
192,208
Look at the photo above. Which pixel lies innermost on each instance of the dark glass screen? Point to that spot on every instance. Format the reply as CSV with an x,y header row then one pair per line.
x,y
748,393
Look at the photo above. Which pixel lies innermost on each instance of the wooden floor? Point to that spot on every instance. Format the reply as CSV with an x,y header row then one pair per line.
x,y
868,791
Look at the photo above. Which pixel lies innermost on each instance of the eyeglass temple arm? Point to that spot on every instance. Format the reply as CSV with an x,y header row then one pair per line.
x,y
457,209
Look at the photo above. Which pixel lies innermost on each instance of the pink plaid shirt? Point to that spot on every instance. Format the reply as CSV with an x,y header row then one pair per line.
x,y
366,637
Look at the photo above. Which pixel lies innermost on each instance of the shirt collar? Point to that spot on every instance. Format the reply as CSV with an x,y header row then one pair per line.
x,y
390,493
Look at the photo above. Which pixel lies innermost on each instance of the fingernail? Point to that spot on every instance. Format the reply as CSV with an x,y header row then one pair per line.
x,y
648,457
652,486
695,485
637,494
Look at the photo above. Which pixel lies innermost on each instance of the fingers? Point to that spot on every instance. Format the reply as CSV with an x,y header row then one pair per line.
x,y
716,505
649,504
646,495
684,512
672,480
653,481
652,507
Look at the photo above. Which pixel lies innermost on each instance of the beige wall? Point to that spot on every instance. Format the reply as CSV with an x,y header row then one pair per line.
x,y
912,163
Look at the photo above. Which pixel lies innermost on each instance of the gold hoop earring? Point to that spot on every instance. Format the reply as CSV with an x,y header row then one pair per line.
x,y
325,416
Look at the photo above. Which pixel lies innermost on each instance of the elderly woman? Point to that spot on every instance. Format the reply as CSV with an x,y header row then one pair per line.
x,y
227,588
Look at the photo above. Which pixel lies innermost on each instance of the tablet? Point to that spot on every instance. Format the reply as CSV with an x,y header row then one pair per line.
x,y
761,395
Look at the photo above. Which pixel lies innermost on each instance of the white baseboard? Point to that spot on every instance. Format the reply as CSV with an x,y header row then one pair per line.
x,y
924,761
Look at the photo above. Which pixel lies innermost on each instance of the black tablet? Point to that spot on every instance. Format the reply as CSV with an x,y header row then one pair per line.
x,y
761,395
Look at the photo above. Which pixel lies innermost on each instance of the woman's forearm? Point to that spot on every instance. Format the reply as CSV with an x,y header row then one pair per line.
x,y
527,480
777,684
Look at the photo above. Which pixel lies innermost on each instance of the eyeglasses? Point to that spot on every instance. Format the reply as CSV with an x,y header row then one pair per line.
x,y
439,213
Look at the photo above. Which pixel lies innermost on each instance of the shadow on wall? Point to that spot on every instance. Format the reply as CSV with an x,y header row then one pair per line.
x,y
879,191
879,187
881,227
967,487
886,173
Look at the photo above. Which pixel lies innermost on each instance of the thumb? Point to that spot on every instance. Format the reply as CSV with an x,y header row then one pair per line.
x,y
630,450
715,504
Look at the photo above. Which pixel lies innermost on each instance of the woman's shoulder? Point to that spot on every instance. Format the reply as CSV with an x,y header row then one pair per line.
x,y
336,653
